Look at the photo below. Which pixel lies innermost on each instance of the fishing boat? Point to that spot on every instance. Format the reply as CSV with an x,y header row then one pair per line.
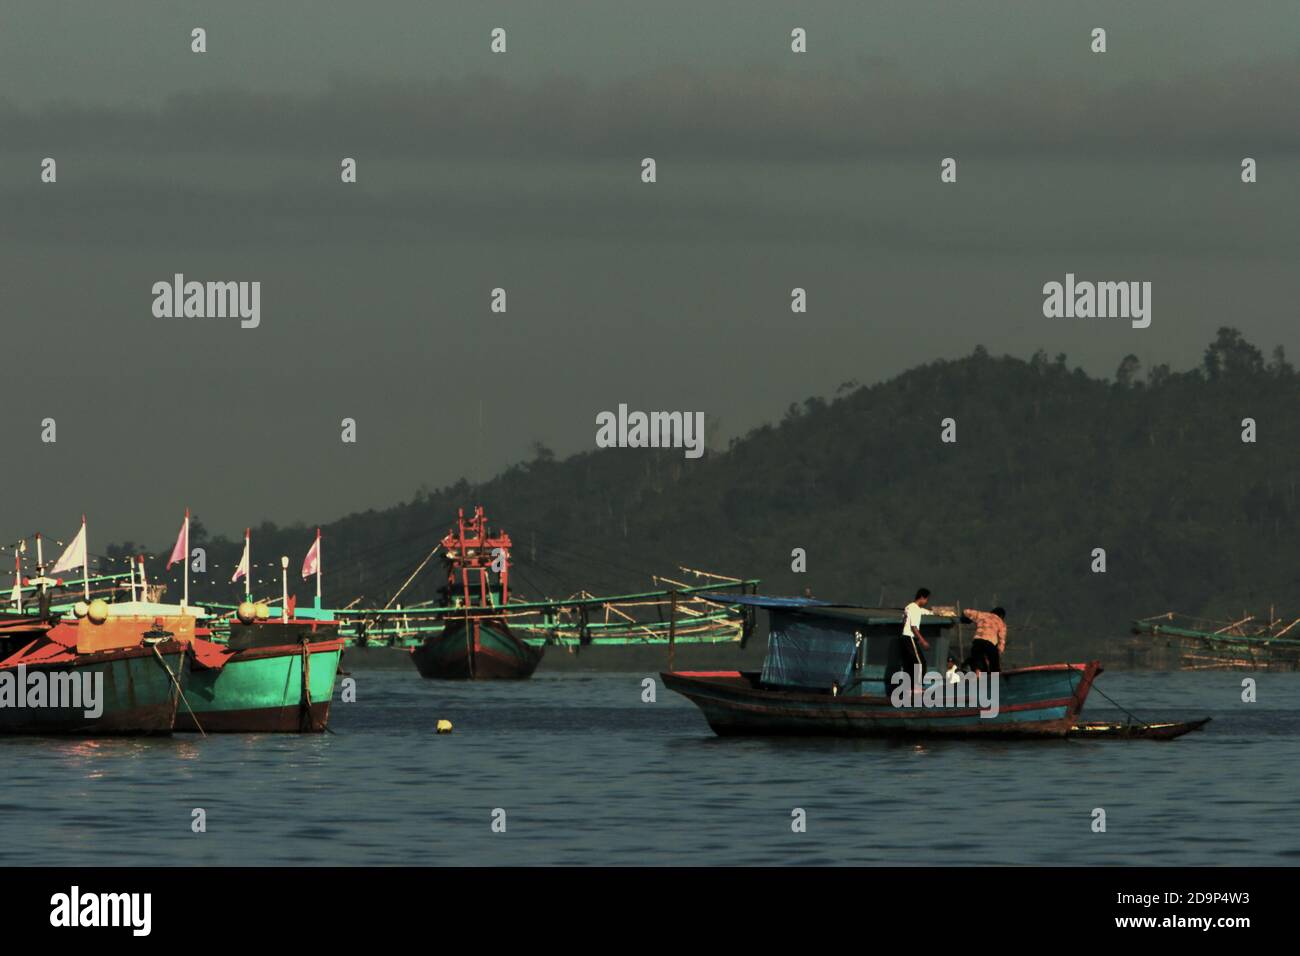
x,y
272,677
476,643
259,687
475,624
139,685
1184,642
827,673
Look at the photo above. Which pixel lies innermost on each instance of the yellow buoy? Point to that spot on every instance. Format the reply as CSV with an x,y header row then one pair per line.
x,y
98,611
246,612
262,612
444,726
79,609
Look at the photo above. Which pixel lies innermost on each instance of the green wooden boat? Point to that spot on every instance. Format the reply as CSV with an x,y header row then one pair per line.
x,y
277,678
273,689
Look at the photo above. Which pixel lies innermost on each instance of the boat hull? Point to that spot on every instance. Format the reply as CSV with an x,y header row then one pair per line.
x,y
1105,730
1033,702
261,690
475,650
139,696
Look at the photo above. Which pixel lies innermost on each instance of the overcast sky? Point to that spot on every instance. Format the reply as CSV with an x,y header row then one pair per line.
x,y
521,170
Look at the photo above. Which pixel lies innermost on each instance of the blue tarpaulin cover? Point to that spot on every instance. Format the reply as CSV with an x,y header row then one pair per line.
x,y
807,651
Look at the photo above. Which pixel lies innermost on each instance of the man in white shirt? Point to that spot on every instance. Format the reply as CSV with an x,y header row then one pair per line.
x,y
913,642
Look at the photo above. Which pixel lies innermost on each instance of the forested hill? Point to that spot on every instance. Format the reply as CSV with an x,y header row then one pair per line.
x,y
1048,465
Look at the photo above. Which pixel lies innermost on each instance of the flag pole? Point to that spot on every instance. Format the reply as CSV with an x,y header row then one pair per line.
x,y
85,557
40,563
18,575
130,566
144,584
318,569
185,594
284,586
248,571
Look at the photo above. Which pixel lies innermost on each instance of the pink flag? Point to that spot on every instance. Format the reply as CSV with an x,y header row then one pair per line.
x,y
182,542
74,556
242,570
312,563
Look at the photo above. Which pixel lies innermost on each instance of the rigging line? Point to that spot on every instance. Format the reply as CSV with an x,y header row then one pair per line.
x,y
576,546
596,559
412,577
1132,716
589,577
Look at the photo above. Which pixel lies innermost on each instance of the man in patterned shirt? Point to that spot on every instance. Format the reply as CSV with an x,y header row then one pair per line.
x,y
990,639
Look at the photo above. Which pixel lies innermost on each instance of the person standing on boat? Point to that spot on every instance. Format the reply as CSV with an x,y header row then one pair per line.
x,y
990,639
913,642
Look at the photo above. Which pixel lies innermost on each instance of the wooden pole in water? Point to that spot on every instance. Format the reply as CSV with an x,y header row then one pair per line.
x,y
672,632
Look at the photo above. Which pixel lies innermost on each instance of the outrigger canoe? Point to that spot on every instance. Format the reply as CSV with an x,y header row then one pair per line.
x,y
826,673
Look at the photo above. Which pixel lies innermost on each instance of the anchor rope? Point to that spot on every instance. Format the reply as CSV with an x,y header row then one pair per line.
x,y
163,662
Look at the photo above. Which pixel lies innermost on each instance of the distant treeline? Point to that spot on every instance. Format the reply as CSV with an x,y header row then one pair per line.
x,y
1048,465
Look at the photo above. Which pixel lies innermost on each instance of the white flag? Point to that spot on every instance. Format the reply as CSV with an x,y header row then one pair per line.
x,y
242,570
74,556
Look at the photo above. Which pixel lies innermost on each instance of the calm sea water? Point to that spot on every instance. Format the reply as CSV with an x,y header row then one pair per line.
x,y
588,774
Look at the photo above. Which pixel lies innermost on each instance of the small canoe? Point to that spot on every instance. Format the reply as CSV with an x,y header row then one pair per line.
x,y
1105,730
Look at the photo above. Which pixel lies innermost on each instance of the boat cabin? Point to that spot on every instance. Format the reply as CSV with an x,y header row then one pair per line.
x,y
817,646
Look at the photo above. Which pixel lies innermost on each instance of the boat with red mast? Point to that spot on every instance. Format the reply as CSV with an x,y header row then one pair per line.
x,y
475,642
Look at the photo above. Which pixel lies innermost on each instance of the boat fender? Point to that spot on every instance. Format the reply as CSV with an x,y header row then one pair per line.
x,y
444,726
97,612
79,609
246,612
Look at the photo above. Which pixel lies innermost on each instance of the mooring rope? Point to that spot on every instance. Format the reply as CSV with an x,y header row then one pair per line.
x,y
306,686
308,719
158,654
1131,716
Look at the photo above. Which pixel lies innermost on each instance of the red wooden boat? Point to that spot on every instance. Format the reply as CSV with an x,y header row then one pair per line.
x,y
476,643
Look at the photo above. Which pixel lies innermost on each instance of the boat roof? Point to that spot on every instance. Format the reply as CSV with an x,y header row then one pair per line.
x,y
856,613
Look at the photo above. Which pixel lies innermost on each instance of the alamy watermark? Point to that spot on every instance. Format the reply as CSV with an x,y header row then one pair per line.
x,y
179,299
68,691
935,690
651,430
75,909
1098,300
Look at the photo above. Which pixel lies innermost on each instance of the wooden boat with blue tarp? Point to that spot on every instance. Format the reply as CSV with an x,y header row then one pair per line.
x,y
827,673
